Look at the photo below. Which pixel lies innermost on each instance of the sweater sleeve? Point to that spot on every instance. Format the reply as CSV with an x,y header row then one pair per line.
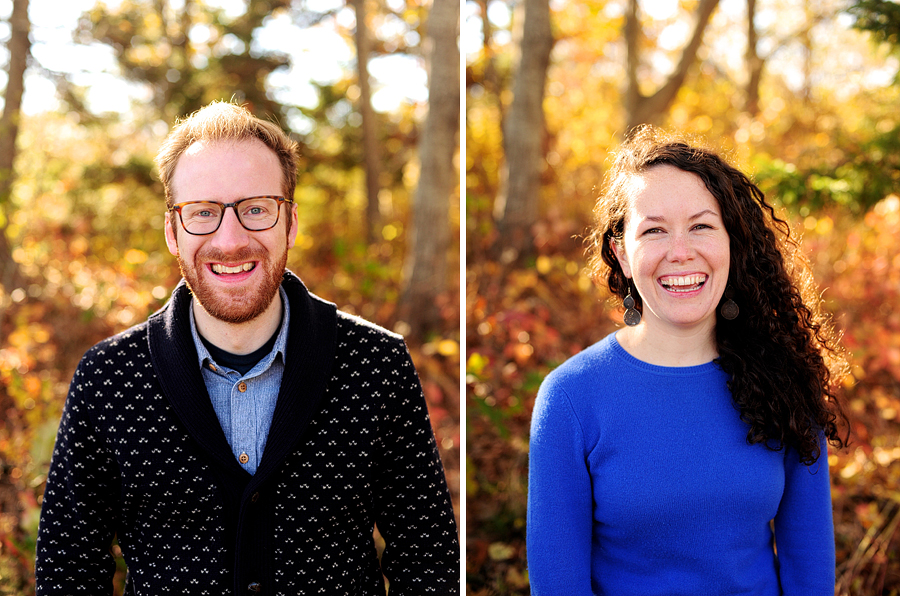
x,y
804,528
78,512
414,512
560,501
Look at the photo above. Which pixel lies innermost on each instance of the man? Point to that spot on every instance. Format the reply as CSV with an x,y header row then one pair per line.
x,y
247,437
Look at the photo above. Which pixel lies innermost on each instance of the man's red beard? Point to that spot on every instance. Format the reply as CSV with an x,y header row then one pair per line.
x,y
234,305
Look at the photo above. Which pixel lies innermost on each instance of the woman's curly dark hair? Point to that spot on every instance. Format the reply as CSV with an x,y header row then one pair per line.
x,y
781,353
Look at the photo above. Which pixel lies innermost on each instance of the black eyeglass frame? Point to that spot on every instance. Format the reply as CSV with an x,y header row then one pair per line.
x,y
178,206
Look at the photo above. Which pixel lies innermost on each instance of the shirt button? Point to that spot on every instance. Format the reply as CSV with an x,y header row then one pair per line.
x,y
255,587
244,458
242,386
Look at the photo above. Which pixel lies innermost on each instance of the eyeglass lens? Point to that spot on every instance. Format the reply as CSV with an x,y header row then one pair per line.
x,y
254,214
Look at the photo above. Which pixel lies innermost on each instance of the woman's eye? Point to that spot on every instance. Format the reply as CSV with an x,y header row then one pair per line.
x,y
652,231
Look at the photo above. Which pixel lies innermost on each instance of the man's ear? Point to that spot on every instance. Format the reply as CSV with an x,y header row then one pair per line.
x,y
171,240
292,225
619,250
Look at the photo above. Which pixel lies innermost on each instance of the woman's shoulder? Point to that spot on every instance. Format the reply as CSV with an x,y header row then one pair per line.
x,y
594,366
581,391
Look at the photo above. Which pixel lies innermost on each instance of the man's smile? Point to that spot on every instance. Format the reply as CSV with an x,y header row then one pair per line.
x,y
219,268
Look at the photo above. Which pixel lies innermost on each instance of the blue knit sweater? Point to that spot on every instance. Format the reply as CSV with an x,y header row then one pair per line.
x,y
641,482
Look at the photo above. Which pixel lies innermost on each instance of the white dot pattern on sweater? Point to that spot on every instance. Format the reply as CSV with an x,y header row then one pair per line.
x,y
125,464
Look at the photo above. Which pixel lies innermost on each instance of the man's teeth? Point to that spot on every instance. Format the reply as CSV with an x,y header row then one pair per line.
x,y
218,268
686,283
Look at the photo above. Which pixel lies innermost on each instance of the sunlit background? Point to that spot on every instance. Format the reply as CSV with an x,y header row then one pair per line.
x,y
84,217
819,133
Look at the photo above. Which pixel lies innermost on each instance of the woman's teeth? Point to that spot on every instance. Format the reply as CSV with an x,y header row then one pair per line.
x,y
219,269
686,283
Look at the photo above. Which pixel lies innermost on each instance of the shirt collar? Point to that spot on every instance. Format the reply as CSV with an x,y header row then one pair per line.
x,y
280,346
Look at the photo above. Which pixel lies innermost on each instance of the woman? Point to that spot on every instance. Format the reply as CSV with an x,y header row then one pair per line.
x,y
660,455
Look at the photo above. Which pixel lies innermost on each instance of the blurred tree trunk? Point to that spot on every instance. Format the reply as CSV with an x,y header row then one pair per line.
x,y
806,40
371,151
176,38
753,62
491,78
19,47
516,207
425,268
647,109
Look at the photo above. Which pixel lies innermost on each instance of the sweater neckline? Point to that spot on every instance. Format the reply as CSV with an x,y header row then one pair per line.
x,y
677,371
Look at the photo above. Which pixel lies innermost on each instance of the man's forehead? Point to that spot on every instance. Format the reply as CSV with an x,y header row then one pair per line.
x,y
241,148
196,147
225,144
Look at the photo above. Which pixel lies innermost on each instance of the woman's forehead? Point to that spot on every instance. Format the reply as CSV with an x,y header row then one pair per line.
x,y
665,189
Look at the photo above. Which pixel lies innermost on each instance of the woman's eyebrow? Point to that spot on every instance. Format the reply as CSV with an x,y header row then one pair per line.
x,y
660,218
702,213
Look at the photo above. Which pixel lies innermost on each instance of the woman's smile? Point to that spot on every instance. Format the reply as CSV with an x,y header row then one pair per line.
x,y
681,284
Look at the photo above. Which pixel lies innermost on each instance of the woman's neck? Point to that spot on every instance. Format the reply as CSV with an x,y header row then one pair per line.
x,y
669,348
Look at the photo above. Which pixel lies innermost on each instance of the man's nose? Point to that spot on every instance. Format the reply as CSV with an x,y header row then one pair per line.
x,y
231,235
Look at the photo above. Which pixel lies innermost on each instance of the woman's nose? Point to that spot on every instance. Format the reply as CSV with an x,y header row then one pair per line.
x,y
680,248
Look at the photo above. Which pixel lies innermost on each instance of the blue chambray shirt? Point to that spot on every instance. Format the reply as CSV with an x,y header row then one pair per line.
x,y
245,416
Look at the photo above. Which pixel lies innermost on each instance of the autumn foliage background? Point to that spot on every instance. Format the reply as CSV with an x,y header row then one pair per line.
x,y
85,215
822,141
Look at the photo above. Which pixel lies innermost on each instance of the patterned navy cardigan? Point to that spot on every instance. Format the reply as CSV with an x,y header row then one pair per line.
x,y
140,455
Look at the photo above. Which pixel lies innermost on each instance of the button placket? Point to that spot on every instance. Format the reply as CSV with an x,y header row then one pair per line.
x,y
243,413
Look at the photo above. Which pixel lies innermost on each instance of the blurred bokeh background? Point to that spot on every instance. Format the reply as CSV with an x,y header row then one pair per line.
x,y
800,94
91,89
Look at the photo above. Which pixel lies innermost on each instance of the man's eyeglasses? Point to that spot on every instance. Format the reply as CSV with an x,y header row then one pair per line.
x,y
204,217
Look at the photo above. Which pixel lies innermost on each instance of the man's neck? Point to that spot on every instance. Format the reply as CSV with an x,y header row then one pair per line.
x,y
239,338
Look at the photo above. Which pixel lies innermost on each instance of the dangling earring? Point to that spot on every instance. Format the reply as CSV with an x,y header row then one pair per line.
x,y
729,309
632,315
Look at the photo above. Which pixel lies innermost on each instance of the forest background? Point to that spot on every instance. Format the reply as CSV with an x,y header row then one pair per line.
x,y
369,89
801,94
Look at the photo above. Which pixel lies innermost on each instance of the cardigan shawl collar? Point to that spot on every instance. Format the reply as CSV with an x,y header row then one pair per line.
x,y
308,362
